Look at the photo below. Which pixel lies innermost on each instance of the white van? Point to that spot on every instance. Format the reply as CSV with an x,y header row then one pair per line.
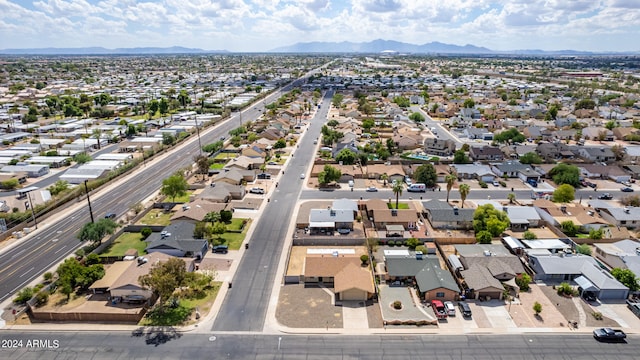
x,y
417,188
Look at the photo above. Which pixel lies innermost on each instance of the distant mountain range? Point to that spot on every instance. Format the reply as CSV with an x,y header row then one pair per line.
x,y
105,51
371,47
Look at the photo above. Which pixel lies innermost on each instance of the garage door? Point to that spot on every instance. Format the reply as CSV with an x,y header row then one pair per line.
x,y
353,294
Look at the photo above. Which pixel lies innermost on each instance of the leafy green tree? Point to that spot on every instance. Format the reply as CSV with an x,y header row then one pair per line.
x,y
164,278
486,217
202,165
530,158
346,156
509,136
168,139
523,282
82,158
564,193
450,180
460,157
364,259
280,144
213,147
627,278
397,191
412,243
329,174
95,231
528,235
583,249
565,174
417,117
484,237
145,232
24,295
585,104
595,234
219,228
511,197
226,216
336,100
173,186
464,191
154,105
163,106
58,187
569,228
537,307
469,103
426,174
367,124
402,101
184,98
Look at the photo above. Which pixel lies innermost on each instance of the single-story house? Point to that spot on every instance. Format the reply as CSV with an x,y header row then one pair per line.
x,y
350,280
442,215
623,254
424,270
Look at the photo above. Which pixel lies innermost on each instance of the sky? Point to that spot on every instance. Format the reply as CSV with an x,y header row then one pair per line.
x,y
262,25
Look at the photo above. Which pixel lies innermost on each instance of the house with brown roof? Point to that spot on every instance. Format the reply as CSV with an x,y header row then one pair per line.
x,y
350,280
196,210
122,278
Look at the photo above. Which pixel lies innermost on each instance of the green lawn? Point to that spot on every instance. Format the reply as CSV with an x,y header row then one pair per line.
x,y
216,166
582,236
181,314
125,242
182,199
156,217
234,240
236,224
401,205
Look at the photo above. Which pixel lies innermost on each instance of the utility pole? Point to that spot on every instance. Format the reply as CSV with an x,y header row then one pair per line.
x,y
33,213
86,189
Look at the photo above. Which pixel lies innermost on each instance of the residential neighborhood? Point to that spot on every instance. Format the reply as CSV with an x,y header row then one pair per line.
x,y
408,188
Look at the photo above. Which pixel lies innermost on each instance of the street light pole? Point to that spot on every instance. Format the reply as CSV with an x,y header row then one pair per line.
x,y
33,213
86,189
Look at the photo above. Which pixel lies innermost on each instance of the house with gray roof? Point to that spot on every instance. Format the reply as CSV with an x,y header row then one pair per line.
x,y
433,282
509,168
522,217
442,215
477,133
486,153
32,171
178,241
582,269
474,171
323,221
623,254
223,192
597,154
628,217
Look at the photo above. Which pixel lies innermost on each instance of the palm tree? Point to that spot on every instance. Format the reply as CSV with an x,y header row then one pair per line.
x,y
450,180
511,197
464,191
397,191
384,177
97,133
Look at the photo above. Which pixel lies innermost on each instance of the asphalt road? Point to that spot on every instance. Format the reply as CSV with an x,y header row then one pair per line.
x,y
24,262
90,345
245,305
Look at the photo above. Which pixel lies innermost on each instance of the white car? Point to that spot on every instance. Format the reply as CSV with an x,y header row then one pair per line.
x,y
451,310
496,183
302,176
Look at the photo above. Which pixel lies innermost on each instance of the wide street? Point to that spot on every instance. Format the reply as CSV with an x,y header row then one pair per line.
x,y
56,237
166,344
245,306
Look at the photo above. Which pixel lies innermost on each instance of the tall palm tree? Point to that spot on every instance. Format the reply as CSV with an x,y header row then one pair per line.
x,y
464,191
384,177
450,180
397,191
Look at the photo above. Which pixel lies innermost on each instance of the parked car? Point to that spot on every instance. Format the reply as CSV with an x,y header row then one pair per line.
x,y
609,334
256,190
465,309
264,176
351,183
302,176
626,189
496,183
372,189
451,310
605,196
110,215
593,185
220,249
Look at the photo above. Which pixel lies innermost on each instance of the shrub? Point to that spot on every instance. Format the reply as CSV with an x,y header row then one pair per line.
x,y
391,243
503,184
23,296
48,276
397,305
421,248
483,184
528,235
42,298
364,258
523,282
565,289
226,216
597,315
145,232
537,307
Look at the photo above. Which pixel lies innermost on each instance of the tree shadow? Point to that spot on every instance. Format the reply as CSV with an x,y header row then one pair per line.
x,y
161,335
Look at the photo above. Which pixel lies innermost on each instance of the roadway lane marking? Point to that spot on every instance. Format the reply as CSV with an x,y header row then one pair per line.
x,y
25,273
55,240
18,253
62,248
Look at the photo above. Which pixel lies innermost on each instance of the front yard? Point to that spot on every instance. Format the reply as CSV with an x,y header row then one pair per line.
x,y
184,312
156,217
235,239
125,242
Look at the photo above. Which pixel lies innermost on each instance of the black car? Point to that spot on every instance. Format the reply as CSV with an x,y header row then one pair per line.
x,y
465,310
609,334
626,189
221,249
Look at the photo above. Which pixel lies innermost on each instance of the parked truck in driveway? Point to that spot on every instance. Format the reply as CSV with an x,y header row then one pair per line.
x,y
438,309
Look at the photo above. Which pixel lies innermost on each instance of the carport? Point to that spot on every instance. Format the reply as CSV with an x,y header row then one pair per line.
x,y
586,287
322,227
394,230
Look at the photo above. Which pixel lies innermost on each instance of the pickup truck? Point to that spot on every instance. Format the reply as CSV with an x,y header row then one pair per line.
x,y
605,196
609,334
439,309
